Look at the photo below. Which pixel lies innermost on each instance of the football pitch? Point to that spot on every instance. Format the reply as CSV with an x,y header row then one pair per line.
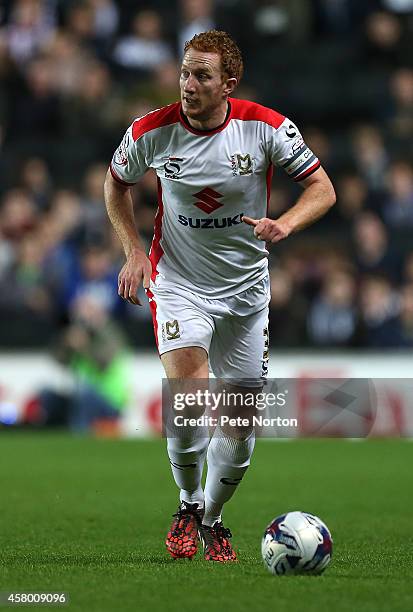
x,y
89,517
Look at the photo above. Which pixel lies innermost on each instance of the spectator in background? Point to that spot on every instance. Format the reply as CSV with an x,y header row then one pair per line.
x,y
35,117
18,215
23,285
92,112
144,49
105,18
62,235
399,6
372,251
280,200
96,278
322,146
161,89
7,255
406,314
65,218
95,222
36,181
283,20
400,121
341,18
332,317
26,300
408,268
6,78
80,24
380,324
287,311
351,196
386,45
370,156
304,268
196,16
93,348
30,27
398,204
90,115
68,62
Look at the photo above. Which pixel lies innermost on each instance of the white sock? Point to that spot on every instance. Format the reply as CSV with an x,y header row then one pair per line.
x,y
228,460
187,462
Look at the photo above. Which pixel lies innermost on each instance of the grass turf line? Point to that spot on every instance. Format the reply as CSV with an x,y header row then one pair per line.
x,y
89,517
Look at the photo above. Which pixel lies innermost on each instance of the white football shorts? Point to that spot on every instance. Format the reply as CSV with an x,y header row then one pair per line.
x,y
233,330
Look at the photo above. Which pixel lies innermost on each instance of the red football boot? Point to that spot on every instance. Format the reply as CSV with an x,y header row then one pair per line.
x,y
217,546
182,539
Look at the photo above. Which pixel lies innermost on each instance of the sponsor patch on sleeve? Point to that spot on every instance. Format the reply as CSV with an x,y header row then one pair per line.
x,y
302,160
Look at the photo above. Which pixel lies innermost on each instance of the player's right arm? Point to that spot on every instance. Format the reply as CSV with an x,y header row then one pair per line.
x,y
138,267
128,164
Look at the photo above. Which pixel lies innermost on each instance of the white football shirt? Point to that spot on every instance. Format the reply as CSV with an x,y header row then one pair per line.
x,y
207,180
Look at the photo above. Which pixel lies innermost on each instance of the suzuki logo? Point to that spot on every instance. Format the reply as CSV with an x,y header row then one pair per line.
x,y
208,202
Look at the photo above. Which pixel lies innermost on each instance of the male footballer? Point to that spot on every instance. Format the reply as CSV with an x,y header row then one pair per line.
x,y
206,276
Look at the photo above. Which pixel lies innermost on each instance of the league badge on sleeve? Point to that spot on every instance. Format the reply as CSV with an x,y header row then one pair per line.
x,y
121,154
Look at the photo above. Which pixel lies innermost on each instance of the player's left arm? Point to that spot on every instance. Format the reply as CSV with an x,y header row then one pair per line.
x,y
317,198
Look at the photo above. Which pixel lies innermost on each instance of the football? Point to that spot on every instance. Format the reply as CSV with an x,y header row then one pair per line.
x,y
296,543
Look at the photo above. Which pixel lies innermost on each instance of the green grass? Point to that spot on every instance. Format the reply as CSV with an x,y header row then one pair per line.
x,y
89,517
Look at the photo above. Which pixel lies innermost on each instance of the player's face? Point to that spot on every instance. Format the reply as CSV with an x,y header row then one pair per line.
x,y
204,89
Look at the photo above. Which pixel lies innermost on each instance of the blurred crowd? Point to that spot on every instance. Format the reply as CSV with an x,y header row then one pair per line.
x,y
73,75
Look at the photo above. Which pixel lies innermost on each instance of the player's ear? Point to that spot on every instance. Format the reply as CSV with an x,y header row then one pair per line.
x,y
230,85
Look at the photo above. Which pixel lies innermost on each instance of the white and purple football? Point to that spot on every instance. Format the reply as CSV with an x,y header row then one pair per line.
x,y
296,543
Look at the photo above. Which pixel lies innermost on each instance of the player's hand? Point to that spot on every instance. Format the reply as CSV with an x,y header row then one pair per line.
x,y
269,230
136,270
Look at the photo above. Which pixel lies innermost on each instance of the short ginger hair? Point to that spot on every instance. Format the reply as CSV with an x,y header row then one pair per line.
x,y
215,41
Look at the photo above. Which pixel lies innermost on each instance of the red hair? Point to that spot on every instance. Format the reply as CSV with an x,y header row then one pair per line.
x,y
215,41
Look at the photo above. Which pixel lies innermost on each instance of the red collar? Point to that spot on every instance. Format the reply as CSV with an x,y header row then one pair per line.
x,y
184,121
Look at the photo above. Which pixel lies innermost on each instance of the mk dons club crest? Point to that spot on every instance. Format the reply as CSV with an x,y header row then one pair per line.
x,y
170,330
242,165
